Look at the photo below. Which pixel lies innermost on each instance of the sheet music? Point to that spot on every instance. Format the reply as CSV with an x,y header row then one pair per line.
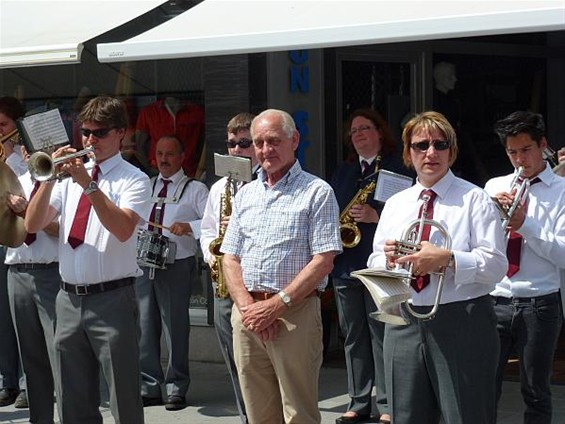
x,y
43,131
236,167
390,183
386,287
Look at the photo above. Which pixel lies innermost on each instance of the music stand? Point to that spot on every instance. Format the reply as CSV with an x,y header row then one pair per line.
x,y
234,167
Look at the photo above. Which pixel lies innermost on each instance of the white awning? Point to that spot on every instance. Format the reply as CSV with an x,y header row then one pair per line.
x,y
46,32
218,27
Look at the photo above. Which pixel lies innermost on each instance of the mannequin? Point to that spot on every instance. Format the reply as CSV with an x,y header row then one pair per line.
x,y
444,99
445,76
170,116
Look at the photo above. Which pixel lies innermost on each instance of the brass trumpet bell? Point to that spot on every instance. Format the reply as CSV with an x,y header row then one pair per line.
x,y
42,166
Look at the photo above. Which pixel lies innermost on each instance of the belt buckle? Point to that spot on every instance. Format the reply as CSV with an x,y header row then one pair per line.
x,y
81,289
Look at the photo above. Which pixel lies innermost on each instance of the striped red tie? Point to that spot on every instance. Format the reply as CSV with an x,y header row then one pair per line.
x,y
157,214
420,282
80,222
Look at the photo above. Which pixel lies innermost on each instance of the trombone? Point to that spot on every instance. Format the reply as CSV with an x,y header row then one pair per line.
x,y
42,166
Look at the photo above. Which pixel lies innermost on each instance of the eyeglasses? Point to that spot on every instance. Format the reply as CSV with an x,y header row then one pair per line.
x,y
99,133
424,145
244,143
362,128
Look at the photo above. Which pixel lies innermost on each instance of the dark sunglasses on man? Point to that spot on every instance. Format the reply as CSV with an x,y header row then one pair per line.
x,y
98,133
244,143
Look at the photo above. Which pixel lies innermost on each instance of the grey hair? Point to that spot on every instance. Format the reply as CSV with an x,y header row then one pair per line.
x,y
288,126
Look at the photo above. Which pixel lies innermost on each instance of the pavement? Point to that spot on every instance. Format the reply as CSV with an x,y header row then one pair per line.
x,y
211,400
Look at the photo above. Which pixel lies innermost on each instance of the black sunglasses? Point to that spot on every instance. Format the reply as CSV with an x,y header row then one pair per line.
x,y
99,133
244,143
424,145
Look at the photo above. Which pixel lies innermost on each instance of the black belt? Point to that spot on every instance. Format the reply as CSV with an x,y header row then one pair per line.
x,y
21,267
85,289
501,300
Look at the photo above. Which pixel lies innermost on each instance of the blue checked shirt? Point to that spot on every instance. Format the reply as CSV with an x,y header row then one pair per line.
x,y
276,231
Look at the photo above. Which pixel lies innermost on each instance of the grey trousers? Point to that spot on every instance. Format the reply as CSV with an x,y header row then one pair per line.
x,y
363,346
98,332
32,295
10,371
444,367
224,331
163,306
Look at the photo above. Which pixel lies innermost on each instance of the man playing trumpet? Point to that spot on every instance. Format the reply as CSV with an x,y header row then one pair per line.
x,y
97,312
444,367
527,299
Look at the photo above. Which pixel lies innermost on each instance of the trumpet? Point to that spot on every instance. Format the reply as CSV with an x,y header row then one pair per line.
x,y
409,243
522,187
42,166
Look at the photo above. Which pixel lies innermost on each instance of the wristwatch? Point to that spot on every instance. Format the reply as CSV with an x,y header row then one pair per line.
x,y
91,188
285,298
451,263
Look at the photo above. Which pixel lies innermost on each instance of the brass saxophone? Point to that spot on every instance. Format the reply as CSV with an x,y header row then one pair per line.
x,y
216,269
348,229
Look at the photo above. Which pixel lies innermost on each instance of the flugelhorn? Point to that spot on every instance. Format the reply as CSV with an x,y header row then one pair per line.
x,y
42,166
400,277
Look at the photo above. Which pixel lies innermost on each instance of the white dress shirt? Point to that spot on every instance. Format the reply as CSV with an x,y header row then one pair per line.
x,y
543,232
16,162
189,209
211,219
43,250
472,221
102,257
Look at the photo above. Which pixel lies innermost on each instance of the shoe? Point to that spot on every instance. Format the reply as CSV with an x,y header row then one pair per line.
x,y
151,401
357,418
175,403
21,400
8,396
384,419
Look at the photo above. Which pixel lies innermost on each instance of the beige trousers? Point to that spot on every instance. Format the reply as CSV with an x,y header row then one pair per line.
x,y
279,379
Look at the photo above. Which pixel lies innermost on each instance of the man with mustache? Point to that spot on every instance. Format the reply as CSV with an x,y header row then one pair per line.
x,y
179,203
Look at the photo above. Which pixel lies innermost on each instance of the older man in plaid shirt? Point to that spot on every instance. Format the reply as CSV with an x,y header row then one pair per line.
x,y
279,248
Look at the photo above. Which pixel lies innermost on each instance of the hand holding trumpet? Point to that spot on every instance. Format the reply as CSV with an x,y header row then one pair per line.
x,y
428,259
65,162
519,214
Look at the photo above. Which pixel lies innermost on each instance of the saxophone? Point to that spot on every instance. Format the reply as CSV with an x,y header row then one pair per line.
x,y
348,229
216,269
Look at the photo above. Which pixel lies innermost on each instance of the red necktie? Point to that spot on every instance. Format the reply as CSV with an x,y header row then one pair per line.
x,y
364,168
30,238
78,229
159,216
419,283
514,247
